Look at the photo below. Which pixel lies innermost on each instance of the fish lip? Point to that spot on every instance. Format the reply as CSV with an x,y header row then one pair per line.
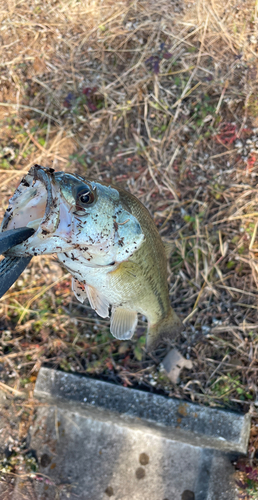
x,y
44,175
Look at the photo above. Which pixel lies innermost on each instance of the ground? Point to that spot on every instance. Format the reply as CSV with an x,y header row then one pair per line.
x,y
160,98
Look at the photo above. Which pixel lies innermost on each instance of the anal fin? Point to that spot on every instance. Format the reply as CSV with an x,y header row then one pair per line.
x,y
123,322
79,290
97,301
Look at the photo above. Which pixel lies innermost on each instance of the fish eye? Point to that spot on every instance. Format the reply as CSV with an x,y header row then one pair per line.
x,y
85,197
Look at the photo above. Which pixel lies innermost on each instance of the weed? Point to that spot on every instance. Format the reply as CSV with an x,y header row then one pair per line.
x,y
247,482
138,349
202,110
153,62
226,385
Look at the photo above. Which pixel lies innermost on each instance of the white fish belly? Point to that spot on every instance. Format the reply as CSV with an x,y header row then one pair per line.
x,y
96,277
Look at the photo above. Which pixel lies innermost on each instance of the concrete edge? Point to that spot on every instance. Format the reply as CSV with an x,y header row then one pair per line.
x,y
172,418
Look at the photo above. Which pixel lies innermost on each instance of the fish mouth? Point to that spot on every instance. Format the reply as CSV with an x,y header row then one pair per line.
x,y
33,201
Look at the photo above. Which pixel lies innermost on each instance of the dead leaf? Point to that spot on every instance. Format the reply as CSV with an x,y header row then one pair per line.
x,y
39,66
173,363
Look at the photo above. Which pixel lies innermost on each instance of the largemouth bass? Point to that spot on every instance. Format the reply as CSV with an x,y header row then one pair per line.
x,y
106,239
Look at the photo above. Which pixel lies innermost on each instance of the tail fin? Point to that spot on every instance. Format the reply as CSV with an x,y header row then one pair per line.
x,y
165,329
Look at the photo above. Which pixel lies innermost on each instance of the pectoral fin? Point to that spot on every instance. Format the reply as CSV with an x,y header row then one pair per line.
x,y
79,290
97,301
123,322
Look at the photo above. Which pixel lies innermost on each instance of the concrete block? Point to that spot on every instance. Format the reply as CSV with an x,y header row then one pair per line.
x,y
170,418
83,458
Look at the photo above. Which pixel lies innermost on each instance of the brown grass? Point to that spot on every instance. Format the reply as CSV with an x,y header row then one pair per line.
x,y
184,141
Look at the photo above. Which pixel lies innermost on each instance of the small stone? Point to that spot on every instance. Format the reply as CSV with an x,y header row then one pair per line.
x,y
238,144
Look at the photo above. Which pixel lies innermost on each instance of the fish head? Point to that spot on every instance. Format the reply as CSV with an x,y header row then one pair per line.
x,y
72,216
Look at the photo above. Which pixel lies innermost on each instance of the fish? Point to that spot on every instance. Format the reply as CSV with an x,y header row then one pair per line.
x,y
106,238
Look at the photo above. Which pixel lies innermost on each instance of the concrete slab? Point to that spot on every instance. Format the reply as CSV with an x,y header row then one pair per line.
x,y
87,450
84,458
171,418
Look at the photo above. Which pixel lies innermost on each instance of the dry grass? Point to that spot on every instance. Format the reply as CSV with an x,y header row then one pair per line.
x,y
76,94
